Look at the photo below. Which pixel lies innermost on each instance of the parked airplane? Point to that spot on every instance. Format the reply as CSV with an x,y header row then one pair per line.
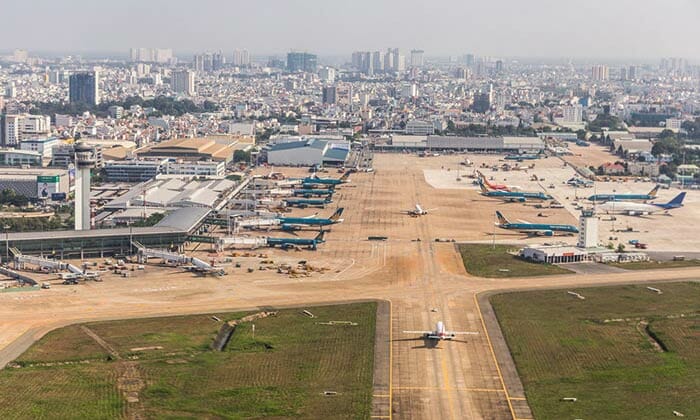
x,y
514,196
522,157
602,198
314,179
306,192
640,209
418,211
295,223
499,187
580,182
440,333
286,243
307,202
538,229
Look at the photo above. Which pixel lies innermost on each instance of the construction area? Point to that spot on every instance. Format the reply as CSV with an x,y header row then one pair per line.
x,y
276,243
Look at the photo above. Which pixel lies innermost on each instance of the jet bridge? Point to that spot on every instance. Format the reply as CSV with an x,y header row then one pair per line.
x,y
191,263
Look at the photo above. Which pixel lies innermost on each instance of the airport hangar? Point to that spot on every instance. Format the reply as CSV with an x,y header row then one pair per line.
x,y
514,145
173,231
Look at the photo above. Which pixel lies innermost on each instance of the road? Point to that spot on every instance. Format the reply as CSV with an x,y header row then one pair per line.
x,y
424,281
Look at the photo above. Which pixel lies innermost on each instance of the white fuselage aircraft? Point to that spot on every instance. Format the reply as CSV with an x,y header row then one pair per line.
x,y
440,333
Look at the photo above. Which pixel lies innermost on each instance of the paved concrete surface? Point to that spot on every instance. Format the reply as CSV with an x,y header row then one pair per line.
x,y
424,280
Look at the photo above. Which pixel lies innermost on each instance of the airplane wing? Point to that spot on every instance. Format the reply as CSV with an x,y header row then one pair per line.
x,y
464,332
313,216
431,209
418,332
524,221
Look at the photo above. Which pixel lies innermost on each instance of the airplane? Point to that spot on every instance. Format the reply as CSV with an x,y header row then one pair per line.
x,y
580,182
522,157
305,192
625,197
538,229
286,243
306,202
440,333
641,209
295,223
514,196
498,187
315,180
418,211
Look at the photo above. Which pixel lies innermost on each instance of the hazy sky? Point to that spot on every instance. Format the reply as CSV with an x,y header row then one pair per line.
x,y
538,28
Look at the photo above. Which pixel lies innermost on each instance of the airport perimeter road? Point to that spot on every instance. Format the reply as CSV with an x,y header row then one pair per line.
x,y
424,281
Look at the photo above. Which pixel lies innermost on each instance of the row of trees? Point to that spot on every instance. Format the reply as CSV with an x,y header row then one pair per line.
x,y
163,104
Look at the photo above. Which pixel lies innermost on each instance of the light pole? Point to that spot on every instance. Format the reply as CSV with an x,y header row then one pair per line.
x,y
7,242
613,212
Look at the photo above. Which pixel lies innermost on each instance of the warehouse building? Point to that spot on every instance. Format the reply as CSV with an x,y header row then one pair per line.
x,y
172,233
16,157
206,149
36,183
308,152
133,170
514,145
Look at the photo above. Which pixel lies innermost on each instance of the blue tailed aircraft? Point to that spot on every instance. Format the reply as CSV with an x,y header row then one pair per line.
x,y
296,223
539,229
307,202
286,243
315,180
513,196
522,157
311,192
602,198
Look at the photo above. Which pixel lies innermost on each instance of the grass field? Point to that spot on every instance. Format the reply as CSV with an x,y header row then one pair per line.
x,y
486,261
279,370
600,351
656,265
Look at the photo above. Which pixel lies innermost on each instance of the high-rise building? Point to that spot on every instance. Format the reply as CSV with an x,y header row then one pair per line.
x,y
632,73
378,61
573,114
329,95
499,66
16,128
600,72
241,58
482,102
151,55
417,58
182,81
304,62
469,60
84,88
409,90
218,61
327,74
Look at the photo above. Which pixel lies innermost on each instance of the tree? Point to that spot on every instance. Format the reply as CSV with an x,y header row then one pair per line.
x,y
620,248
241,156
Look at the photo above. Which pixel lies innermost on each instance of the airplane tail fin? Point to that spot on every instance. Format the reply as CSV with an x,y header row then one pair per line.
x,y
653,192
320,236
677,201
335,216
501,218
483,187
345,176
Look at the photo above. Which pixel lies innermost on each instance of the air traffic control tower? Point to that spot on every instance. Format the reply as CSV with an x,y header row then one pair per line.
x,y
588,230
84,162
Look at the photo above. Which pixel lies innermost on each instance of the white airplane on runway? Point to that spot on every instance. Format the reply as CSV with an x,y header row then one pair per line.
x,y
440,333
418,211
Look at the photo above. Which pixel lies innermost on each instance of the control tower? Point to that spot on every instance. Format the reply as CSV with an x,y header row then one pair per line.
x,y
84,162
588,230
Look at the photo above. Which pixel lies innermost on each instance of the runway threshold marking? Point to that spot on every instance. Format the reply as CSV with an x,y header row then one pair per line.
x,y
435,388
495,360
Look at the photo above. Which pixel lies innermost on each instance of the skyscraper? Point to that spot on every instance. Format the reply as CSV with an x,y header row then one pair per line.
x,y
600,72
241,58
329,95
417,58
301,62
182,81
84,88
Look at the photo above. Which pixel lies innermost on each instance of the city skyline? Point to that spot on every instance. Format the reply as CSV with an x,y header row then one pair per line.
x,y
542,28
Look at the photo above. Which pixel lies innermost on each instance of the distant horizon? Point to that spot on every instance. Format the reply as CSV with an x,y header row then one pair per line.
x,y
600,29
187,55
